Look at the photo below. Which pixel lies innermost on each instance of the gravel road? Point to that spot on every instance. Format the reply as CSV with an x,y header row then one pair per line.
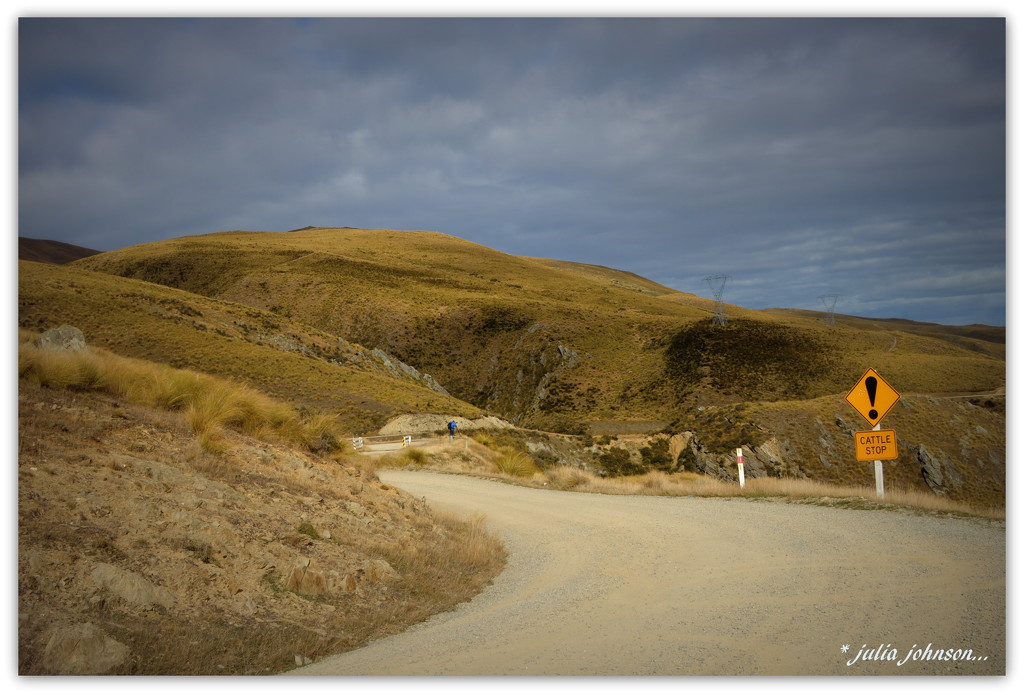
x,y
617,585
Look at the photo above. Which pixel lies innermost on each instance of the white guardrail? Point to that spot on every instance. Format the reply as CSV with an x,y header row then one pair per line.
x,y
359,443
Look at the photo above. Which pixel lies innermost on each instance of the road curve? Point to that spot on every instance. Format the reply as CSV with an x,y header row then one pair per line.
x,y
628,585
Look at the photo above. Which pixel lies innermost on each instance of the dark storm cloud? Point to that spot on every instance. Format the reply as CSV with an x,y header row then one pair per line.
x,y
856,156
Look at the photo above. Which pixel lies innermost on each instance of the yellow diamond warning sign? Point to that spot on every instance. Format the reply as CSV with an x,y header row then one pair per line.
x,y
875,445
872,397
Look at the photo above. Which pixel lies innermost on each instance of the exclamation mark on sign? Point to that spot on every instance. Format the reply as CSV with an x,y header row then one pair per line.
x,y
871,384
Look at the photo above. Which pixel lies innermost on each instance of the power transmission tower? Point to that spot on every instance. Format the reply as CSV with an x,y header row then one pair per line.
x,y
829,300
717,285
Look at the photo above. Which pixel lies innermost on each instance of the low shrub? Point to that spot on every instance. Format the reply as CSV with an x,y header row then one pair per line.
x,y
617,462
657,456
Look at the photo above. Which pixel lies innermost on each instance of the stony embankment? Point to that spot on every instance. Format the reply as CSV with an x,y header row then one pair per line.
x,y
140,553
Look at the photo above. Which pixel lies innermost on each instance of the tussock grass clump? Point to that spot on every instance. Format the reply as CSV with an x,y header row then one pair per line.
x,y
401,459
509,453
174,389
417,456
210,404
213,441
568,477
516,463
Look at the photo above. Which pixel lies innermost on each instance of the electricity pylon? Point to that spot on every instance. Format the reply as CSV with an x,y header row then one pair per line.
x,y
829,300
717,285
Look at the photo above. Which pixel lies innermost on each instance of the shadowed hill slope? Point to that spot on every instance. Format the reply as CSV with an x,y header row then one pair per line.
x,y
547,343
44,251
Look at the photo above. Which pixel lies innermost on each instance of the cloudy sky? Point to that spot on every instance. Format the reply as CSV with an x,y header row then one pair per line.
x,y
801,157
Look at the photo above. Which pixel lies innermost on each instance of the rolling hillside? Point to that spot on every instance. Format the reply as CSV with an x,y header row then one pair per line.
x,y
283,358
549,344
44,251
369,324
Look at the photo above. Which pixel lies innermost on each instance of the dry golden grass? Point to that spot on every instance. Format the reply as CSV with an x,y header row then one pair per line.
x,y
477,547
210,404
568,477
516,463
800,490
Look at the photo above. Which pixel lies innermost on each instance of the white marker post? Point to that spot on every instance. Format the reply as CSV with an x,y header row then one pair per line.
x,y
357,442
739,463
879,483
406,440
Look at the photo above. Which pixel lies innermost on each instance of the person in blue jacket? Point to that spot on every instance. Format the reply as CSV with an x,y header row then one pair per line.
x,y
451,429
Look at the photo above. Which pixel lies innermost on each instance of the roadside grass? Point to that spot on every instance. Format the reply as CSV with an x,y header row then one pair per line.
x,y
413,456
686,484
508,454
485,462
209,404
516,463
416,456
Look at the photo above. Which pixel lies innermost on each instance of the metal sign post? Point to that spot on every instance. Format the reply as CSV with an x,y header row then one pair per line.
x,y
879,481
873,398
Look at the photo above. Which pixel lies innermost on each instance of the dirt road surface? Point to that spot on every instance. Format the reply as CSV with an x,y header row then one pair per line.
x,y
626,585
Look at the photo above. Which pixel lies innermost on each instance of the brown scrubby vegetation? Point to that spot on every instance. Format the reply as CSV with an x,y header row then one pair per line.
x,y
263,554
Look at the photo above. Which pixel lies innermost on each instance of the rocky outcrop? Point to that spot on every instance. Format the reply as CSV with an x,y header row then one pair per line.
x,y
400,369
82,649
938,471
131,587
352,355
65,337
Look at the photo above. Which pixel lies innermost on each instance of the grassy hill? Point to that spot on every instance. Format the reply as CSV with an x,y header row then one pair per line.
x,y
283,358
45,251
317,315
547,343
988,340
